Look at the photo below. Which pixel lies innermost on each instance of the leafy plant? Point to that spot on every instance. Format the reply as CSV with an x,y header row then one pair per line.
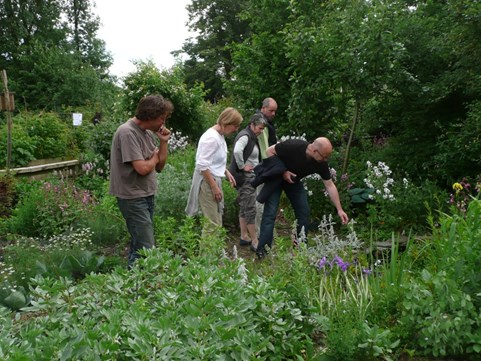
x,y
361,195
174,183
7,194
23,146
13,297
378,343
50,135
49,208
206,308
147,79
442,318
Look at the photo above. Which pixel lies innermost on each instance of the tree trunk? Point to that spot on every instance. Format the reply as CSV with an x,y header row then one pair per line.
x,y
355,119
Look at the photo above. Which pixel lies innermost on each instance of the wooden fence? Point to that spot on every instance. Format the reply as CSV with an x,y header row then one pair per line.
x,y
62,168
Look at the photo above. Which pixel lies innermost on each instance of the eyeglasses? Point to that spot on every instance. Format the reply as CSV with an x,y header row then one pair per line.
x,y
323,157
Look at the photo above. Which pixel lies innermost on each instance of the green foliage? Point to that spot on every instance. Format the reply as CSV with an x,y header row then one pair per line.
x,y
169,236
461,141
343,337
49,208
98,140
457,248
219,25
104,221
51,136
52,54
13,298
379,343
360,195
23,146
59,256
260,60
39,136
188,103
383,202
204,307
231,208
7,194
174,184
63,255
442,318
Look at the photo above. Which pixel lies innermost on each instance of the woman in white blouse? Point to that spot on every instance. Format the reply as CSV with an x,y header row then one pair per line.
x,y
210,168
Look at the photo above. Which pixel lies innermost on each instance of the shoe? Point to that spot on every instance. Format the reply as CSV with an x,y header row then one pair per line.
x,y
252,248
261,254
244,243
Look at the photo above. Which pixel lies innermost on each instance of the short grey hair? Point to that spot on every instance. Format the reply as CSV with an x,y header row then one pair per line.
x,y
258,121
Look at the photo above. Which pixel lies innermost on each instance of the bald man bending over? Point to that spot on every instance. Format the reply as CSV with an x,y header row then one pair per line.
x,y
301,160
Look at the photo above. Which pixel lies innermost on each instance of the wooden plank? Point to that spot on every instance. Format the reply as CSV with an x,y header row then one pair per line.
x,y
50,167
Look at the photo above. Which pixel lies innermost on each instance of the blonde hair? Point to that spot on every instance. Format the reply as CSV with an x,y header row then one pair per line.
x,y
229,116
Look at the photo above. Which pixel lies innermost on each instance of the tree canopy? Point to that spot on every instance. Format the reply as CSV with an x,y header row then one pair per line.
x,y
400,77
51,53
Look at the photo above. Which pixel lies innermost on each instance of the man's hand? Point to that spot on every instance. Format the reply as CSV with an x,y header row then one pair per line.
x,y
343,216
144,167
289,177
163,134
155,154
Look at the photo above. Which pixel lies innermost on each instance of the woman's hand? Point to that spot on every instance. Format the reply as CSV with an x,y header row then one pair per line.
x,y
231,179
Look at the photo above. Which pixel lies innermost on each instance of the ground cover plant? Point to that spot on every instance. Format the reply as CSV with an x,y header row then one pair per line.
x,y
167,308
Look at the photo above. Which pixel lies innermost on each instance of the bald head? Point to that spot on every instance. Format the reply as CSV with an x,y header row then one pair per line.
x,y
320,149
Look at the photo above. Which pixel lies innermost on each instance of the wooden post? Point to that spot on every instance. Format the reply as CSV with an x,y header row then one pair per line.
x,y
9,108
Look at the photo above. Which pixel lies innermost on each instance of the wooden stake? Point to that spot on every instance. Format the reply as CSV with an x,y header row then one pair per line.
x,y
9,118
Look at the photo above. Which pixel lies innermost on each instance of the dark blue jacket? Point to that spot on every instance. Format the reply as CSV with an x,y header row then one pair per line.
x,y
268,172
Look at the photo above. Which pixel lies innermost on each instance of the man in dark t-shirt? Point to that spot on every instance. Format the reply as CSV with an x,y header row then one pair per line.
x,y
301,159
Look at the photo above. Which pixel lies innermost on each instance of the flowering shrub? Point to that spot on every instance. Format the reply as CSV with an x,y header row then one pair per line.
x,y
95,172
292,136
50,208
387,205
378,178
464,193
177,141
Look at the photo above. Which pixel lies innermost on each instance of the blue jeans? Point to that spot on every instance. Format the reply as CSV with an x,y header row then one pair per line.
x,y
139,215
298,197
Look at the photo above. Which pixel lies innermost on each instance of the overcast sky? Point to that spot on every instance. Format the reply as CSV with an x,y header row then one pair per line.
x,y
141,30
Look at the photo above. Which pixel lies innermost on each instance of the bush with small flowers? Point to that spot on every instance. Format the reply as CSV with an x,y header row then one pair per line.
x,y
49,207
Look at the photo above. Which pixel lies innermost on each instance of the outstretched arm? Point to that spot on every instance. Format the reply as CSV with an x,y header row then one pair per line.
x,y
334,196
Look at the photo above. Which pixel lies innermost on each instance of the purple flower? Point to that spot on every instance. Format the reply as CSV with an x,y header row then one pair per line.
x,y
366,271
341,264
322,262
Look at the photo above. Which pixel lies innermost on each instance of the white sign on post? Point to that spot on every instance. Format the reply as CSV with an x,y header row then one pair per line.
x,y
77,119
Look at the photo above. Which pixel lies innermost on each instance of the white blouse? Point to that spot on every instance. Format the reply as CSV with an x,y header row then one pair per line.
x,y
211,153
